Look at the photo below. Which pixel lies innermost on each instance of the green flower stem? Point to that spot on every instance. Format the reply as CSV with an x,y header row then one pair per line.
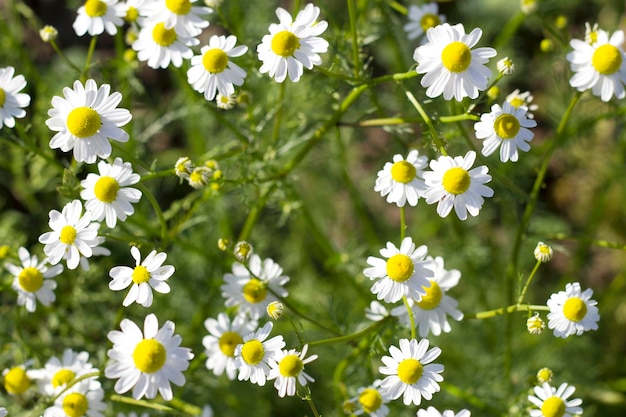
x,y
354,336
60,53
400,76
427,120
278,117
253,215
90,51
185,407
409,311
157,174
398,7
459,118
309,401
385,121
147,404
296,329
403,225
506,310
355,38
339,76
522,294
509,29
157,209
601,243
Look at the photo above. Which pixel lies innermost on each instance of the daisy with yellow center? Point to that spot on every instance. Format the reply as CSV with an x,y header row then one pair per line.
x,y
599,66
160,46
57,373
18,379
555,402
97,16
370,400
401,180
81,399
543,252
182,15
452,68
147,361
453,183
572,311
519,100
535,324
293,44
410,371
12,102
288,369
255,354
421,18
433,412
226,102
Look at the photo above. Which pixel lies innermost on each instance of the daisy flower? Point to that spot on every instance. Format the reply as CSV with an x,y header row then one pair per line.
x,y
212,71
56,374
79,400
248,287
405,272
18,379
505,127
96,16
33,280
224,336
108,195
225,102
553,402
86,119
591,33
376,311
452,183
572,311
293,44
433,412
136,11
451,67
183,167
254,355
422,18
371,400
147,361
543,253
72,235
600,66
432,311
535,324
410,371
180,15
160,46
522,100
145,276
401,181
199,177
11,100
505,66
289,368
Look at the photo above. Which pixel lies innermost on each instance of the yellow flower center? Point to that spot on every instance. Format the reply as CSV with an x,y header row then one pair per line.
x,y
574,309
75,405
3,97
162,36
553,407
16,381
593,37
149,356
30,279
196,177
607,59
506,126
83,122
544,375
400,267
228,342
106,189
456,56
429,21
95,8
254,291
131,14
403,171
432,297
456,180
140,274
290,365
62,377
252,352
67,235
215,60
516,102
370,400
410,371
178,6
285,43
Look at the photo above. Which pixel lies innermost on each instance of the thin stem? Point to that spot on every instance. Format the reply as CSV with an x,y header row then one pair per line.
x,y
56,48
90,51
522,294
301,314
459,118
426,119
403,225
354,36
309,400
399,7
506,310
157,209
409,311
354,336
278,118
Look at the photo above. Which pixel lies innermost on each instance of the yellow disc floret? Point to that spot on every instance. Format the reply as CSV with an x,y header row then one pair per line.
x,y
62,378
178,6
106,189
429,21
432,298
607,59
131,14
410,371
16,381
456,180
30,279
215,60
403,171
252,352
506,126
149,356
228,341
254,291
83,122
370,400
285,43
456,56
67,235
140,274
574,309
3,97
75,405
95,8
290,366
553,407
163,36
400,267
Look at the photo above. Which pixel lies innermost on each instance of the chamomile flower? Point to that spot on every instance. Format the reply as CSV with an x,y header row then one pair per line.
x,y
451,67
522,100
225,102
405,272
57,373
505,66
255,354
180,15
224,336
293,44
33,280
370,400
506,128
376,311
535,324
212,71
433,412
147,361
199,177
183,167
543,253
572,311
555,402
410,371
248,287
600,66
86,119
159,46
401,180
80,400
12,101
453,183
591,33
136,11
96,16
18,379
288,368
422,18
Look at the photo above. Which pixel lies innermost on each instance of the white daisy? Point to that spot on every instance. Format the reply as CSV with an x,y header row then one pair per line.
x,y
254,355
452,183
522,100
96,16
543,253
18,379
431,313
73,236
450,66
160,46
33,280
600,66
401,181
85,119
376,311
505,66
80,400
249,287
183,167
505,127
199,177
225,102
371,400
180,15
591,33
56,374
422,18
108,195
11,100
288,368
136,11
212,71
410,371
572,311
224,336
553,402
535,324
293,44
405,272
147,361
433,412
